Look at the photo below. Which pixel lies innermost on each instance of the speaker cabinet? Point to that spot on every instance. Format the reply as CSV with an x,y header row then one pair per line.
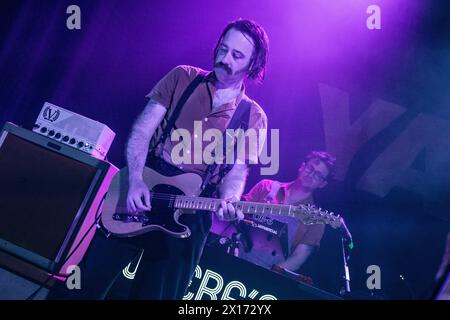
x,y
50,196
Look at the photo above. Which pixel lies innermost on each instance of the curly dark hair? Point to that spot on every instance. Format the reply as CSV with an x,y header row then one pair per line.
x,y
326,158
260,39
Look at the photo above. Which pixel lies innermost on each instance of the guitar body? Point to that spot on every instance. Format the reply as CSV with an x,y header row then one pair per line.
x,y
163,216
174,193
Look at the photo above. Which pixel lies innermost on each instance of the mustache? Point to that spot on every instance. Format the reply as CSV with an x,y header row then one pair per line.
x,y
223,66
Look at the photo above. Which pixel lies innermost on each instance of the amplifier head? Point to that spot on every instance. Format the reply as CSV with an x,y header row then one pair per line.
x,y
74,130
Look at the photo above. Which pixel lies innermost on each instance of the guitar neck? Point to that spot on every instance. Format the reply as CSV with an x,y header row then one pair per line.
x,y
211,204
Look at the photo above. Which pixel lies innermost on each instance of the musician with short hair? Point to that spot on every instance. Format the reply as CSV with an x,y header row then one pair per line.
x,y
303,240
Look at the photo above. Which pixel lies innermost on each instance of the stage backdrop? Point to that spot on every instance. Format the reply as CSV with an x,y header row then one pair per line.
x,y
378,99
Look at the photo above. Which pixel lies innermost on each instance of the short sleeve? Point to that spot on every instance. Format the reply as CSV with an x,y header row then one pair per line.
x,y
163,91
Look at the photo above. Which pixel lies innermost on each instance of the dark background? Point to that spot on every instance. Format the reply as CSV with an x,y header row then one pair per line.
x,y
104,70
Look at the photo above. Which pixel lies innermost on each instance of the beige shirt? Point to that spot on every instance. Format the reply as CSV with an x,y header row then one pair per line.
x,y
198,108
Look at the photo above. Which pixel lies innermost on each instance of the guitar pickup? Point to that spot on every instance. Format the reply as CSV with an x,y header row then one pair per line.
x,y
129,217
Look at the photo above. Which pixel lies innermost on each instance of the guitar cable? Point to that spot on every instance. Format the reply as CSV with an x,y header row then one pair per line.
x,y
51,275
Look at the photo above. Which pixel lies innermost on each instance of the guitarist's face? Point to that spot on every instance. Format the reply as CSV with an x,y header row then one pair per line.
x,y
233,57
313,174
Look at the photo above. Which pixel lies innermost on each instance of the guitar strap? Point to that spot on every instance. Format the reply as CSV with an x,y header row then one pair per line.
x,y
176,112
239,120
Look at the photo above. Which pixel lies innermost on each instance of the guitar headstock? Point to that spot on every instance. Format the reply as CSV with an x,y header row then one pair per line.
x,y
310,214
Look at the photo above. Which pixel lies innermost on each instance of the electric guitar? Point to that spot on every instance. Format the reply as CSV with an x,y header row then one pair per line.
x,y
175,195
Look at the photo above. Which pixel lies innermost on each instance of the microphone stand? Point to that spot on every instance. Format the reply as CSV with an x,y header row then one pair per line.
x,y
347,245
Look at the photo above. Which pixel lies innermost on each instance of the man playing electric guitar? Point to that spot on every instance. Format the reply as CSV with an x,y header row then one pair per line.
x,y
207,97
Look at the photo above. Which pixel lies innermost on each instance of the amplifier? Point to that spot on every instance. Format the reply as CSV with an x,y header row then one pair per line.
x,y
75,130
50,197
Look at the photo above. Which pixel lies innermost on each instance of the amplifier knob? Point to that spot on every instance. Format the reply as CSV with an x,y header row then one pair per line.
x,y
43,129
58,135
80,144
51,133
72,141
66,138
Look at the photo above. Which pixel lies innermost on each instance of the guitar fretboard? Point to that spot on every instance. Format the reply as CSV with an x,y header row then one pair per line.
x,y
210,204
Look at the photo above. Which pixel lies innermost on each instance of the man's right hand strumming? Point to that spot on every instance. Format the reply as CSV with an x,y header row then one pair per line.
x,y
138,197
